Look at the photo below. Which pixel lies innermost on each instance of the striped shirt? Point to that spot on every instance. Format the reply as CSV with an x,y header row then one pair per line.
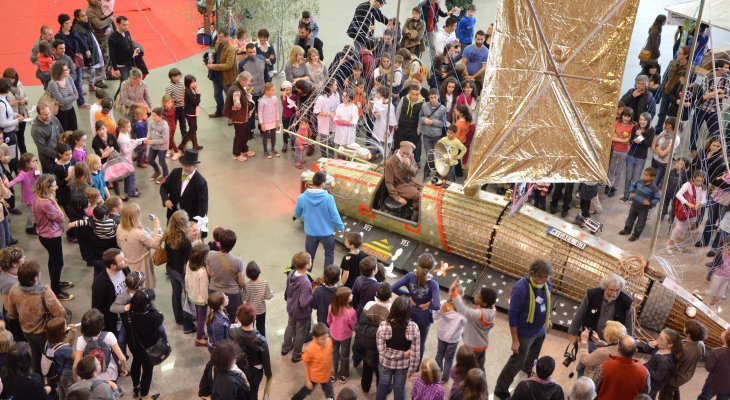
x,y
257,292
713,82
177,92
392,358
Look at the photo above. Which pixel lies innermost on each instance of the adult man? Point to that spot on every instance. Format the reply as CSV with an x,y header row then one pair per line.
x,y
221,70
623,376
363,22
430,12
317,209
385,44
47,35
237,108
73,46
255,65
400,169
102,26
306,41
431,123
108,285
529,312
444,37
9,120
475,56
45,132
638,97
186,189
715,87
122,49
583,389
406,116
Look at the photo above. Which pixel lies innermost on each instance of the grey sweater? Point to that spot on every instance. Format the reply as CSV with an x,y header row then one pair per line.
x,y
479,321
65,96
159,134
437,115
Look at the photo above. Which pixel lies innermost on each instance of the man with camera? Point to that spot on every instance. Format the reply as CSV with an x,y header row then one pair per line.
x,y
608,302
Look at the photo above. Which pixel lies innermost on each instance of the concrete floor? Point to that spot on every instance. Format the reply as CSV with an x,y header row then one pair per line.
x,y
256,199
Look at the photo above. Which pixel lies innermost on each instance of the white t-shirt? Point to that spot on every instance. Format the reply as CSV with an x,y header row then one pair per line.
x,y
111,372
118,282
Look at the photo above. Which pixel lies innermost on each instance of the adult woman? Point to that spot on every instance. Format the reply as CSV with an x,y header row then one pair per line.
x,y
653,71
76,49
63,89
490,33
136,242
144,325
18,100
424,294
473,387
25,303
178,247
11,258
49,225
316,69
540,385
398,341
295,69
95,61
226,272
443,65
133,94
655,37
449,91
18,380
717,365
612,333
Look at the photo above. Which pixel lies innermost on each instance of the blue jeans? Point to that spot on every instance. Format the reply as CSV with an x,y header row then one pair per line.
x,y
79,88
445,358
177,281
161,155
130,184
391,378
328,242
423,330
634,168
528,352
713,217
707,394
219,90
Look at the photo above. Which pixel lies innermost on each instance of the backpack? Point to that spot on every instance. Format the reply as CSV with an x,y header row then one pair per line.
x,y
82,392
99,349
422,69
50,366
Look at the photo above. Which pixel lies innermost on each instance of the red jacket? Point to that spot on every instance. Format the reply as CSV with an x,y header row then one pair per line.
x,y
621,379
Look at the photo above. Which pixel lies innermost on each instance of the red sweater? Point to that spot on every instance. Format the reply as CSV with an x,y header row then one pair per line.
x,y
622,379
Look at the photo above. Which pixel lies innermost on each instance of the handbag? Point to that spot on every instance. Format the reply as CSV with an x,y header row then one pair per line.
x,y
119,105
158,352
79,60
47,316
117,167
49,101
645,55
159,257
683,212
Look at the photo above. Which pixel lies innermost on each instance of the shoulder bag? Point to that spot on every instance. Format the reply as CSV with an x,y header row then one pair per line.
x,y
230,271
158,352
49,101
47,316
159,257
683,212
117,168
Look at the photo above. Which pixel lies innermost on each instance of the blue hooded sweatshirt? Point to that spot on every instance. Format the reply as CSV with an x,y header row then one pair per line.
x,y
317,208
298,297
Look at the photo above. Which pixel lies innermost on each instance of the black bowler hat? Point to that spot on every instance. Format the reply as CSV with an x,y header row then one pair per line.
x,y
189,158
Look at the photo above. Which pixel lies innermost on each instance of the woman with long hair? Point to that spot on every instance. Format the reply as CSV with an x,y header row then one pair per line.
x,y
19,382
137,243
424,295
296,69
661,365
449,92
145,330
474,386
18,100
316,69
398,342
62,88
178,247
655,36
466,360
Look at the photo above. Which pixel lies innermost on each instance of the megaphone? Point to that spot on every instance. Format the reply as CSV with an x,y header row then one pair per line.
x,y
441,160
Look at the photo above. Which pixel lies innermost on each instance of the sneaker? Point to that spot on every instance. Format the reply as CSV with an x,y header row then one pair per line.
x,y
611,192
276,154
632,238
155,176
176,156
198,148
624,232
285,353
11,242
215,115
624,200
65,284
63,296
298,165
711,253
296,360
284,149
332,379
168,153
101,85
241,158
269,156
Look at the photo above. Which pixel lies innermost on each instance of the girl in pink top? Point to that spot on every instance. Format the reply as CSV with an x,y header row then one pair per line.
x,y
28,166
269,119
467,97
77,141
341,319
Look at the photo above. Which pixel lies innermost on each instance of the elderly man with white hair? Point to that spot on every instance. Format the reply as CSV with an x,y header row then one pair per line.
x,y
583,389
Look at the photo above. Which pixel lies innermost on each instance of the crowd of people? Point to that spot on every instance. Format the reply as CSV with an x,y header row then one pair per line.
x,y
374,93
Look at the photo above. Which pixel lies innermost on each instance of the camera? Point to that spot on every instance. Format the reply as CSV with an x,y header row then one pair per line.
x,y
570,355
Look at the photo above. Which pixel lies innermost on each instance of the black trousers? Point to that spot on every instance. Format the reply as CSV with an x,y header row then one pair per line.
x,y
67,118
261,323
240,140
367,377
181,122
638,214
141,370
55,261
562,191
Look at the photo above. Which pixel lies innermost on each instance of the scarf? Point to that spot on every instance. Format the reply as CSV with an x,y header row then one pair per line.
x,y
531,311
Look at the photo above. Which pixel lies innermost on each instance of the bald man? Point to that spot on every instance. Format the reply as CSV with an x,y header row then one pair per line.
x,y
400,170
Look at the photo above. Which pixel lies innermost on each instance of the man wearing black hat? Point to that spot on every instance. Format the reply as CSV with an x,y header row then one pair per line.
x,y
185,188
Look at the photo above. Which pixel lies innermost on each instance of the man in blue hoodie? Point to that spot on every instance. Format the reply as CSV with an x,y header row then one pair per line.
x,y
318,210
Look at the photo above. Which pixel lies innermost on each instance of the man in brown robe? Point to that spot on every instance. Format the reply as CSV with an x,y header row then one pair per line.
x,y
400,169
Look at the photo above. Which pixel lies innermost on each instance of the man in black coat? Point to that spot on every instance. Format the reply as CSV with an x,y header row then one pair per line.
x,y
122,50
186,189
108,285
363,22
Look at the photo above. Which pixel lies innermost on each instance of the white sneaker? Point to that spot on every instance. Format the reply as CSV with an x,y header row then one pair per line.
x,y
168,154
176,156
670,251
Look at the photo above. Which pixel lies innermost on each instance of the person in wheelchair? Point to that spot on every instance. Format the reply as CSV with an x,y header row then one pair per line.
x,y
400,171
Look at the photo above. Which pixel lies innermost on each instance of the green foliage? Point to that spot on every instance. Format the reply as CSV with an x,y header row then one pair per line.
x,y
279,17
458,3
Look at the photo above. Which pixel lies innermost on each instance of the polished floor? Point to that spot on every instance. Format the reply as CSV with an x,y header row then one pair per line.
x,y
256,199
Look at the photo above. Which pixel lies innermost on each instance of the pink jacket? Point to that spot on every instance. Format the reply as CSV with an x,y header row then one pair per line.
x,y
27,182
268,113
342,326
48,218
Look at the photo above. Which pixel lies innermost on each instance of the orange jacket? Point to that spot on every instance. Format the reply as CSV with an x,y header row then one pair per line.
x,y
318,360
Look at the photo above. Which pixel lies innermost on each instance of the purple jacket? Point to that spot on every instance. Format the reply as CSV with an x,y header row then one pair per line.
x,y
298,297
27,181
48,218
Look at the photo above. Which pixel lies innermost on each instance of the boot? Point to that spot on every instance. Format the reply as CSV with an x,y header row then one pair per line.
x,y
196,147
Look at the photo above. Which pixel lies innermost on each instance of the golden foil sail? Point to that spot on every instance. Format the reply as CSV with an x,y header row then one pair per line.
x,y
552,84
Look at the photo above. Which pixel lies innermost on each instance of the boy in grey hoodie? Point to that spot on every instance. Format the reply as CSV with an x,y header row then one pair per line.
x,y
298,297
450,329
431,122
479,320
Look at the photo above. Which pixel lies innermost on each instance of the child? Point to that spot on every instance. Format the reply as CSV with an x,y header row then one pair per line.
x,y
81,178
341,319
88,369
105,115
97,175
427,386
465,362
365,286
350,264
467,98
176,89
677,178
196,286
456,149
58,355
257,292
217,322
323,108
140,132
192,101
103,143
642,136
479,320
159,139
463,117
355,76
94,197
645,195
29,172
693,350
620,144
668,352
99,95
325,292
115,205
359,97
383,124
168,110
465,28
398,79
269,119
450,329
298,297
345,121
304,133
104,226
661,149
587,192
127,145
308,20
77,141
63,171
288,110
318,364
266,50
686,203
45,56
94,340
540,192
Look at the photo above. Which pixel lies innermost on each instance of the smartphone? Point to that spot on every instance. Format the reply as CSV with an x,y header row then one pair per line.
x,y
152,217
